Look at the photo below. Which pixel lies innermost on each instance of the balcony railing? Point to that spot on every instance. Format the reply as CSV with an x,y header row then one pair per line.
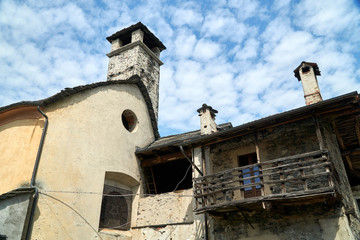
x,y
307,175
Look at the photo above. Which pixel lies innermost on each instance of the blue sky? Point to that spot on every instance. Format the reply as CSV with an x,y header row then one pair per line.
x,y
237,56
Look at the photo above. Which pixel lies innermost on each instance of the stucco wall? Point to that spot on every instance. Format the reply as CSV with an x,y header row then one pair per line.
x,y
19,142
86,138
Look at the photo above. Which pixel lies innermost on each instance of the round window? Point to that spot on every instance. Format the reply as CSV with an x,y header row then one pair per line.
x,y
129,120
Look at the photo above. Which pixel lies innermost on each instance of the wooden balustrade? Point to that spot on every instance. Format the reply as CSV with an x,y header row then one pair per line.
x,y
298,176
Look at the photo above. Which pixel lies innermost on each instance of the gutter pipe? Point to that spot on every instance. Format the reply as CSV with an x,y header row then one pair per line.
x,y
191,162
32,183
36,166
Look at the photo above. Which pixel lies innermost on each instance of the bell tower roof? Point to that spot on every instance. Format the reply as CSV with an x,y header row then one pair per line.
x,y
150,40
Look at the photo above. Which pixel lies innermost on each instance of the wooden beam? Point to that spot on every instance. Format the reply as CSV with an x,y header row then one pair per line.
x,y
257,147
351,152
341,143
162,159
357,128
343,113
357,174
349,163
318,133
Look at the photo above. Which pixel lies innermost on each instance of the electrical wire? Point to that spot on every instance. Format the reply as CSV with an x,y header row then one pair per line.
x,y
73,211
43,192
120,195
116,227
52,211
182,179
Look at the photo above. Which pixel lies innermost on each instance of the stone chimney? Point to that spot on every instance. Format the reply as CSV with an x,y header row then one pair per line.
x,y
136,51
207,119
306,72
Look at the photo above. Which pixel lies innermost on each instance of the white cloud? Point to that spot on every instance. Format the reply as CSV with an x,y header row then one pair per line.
x,y
205,50
222,23
250,50
246,8
293,48
327,19
187,15
184,43
237,56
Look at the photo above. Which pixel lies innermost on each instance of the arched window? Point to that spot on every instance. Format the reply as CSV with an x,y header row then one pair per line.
x,y
115,208
117,201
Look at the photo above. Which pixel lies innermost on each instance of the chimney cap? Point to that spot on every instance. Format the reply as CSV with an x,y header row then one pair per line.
x,y
204,107
149,38
314,65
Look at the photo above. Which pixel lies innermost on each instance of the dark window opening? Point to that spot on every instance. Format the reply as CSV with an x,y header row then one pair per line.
x,y
245,160
168,177
150,44
115,208
129,120
126,40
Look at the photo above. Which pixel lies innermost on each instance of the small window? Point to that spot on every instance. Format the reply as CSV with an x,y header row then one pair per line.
x,y
115,208
245,160
129,120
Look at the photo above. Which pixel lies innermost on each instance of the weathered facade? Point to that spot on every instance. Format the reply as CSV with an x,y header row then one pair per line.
x,y
89,163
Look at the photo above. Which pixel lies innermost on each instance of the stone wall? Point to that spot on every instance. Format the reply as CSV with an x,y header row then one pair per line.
x,y
167,208
132,60
306,222
309,221
277,142
343,185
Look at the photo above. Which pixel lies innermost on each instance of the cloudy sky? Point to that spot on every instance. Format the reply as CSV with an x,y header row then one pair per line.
x,y
237,56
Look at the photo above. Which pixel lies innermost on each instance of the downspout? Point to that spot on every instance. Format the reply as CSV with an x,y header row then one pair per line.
x,y
191,162
32,183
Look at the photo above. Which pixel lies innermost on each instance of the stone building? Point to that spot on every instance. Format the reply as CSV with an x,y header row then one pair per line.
x,y
89,163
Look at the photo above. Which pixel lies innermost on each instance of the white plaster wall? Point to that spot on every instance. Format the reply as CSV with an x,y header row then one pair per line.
x,y
85,139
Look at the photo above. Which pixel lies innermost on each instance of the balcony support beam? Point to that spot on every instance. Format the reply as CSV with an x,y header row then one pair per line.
x,y
318,133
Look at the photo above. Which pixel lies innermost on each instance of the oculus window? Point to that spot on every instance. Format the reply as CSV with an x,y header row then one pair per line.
x,y
129,120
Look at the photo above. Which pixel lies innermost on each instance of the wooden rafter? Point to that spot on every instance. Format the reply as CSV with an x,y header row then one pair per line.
x,y
348,160
357,128
157,159
338,137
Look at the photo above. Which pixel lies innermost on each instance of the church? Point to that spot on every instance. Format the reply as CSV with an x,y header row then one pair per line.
x,y
89,163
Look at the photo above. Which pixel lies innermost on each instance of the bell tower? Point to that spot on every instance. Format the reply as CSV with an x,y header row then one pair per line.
x,y
136,51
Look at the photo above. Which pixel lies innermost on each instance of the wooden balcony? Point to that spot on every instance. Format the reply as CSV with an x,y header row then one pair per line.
x,y
297,179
